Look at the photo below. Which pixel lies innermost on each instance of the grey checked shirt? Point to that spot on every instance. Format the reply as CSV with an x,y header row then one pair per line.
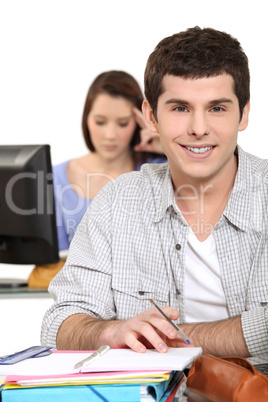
x,y
131,244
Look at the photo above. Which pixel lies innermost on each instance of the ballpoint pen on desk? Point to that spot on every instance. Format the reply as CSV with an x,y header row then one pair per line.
x,y
182,334
85,362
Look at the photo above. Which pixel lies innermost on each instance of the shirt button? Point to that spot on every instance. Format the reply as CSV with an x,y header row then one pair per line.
x,y
178,246
141,293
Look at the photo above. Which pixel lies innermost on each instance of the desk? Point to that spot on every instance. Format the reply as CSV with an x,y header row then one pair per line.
x,y
22,312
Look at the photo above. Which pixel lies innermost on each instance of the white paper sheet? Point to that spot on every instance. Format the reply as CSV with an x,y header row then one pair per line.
x,y
61,362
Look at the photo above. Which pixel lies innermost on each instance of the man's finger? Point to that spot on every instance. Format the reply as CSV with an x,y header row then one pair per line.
x,y
147,332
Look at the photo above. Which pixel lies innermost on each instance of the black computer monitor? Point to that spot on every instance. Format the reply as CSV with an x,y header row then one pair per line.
x,y
28,233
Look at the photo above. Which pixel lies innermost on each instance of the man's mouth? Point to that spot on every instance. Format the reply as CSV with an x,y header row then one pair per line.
x,y
201,150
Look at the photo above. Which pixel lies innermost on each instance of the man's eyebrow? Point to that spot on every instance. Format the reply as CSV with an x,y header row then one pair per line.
x,y
177,101
221,100
212,102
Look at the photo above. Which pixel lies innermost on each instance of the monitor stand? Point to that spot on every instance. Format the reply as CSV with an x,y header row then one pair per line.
x,y
12,283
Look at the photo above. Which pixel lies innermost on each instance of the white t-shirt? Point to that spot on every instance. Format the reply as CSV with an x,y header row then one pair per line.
x,y
204,295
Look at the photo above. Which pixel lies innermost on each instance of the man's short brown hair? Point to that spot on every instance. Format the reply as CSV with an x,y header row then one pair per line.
x,y
197,53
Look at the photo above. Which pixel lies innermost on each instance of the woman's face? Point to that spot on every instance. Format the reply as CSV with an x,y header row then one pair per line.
x,y
111,124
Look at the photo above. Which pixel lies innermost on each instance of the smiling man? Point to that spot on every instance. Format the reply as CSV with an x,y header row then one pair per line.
x,y
198,121
191,234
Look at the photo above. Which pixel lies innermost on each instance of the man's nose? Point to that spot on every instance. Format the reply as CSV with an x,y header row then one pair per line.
x,y
198,124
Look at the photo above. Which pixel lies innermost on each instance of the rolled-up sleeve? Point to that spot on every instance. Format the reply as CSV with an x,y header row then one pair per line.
x,y
255,330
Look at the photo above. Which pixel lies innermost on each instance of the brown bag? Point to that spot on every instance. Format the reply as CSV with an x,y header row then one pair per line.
x,y
227,379
41,275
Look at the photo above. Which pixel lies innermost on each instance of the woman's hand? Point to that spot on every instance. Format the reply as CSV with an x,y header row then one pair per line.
x,y
150,142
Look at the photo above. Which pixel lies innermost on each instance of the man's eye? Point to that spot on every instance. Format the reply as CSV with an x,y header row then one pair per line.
x,y
217,109
180,108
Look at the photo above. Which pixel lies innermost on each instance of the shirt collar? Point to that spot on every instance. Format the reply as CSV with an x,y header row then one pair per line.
x,y
237,210
166,199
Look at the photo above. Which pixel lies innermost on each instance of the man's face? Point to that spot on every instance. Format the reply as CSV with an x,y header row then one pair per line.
x,y
198,122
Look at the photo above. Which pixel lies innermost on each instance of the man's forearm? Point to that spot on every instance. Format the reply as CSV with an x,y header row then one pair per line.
x,y
84,332
220,338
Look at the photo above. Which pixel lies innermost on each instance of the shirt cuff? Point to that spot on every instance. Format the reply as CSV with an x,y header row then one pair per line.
x,y
50,338
255,330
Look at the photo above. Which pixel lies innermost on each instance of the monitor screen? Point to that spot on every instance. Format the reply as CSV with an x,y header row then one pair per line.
x,y
28,233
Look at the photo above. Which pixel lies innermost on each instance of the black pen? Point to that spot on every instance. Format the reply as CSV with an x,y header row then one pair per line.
x,y
182,334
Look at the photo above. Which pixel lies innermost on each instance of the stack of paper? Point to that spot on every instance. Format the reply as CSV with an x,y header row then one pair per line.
x,y
119,375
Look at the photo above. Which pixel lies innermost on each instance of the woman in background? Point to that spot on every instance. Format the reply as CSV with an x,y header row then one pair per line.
x,y
118,140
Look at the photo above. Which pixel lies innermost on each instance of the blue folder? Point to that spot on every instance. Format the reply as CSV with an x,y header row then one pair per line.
x,y
86,393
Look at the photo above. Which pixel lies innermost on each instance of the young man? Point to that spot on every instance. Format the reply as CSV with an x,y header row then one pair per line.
x,y
192,234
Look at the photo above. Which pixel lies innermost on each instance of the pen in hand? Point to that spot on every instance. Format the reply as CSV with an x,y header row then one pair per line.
x,y
182,334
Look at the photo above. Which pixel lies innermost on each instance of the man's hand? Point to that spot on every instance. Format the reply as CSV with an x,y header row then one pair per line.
x,y
150,142
146,330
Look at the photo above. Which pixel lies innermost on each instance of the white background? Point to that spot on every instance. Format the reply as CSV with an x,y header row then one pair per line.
x,y
51,50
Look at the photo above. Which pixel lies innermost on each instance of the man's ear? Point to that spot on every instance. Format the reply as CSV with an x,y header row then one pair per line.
x,y
149,116
244,121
